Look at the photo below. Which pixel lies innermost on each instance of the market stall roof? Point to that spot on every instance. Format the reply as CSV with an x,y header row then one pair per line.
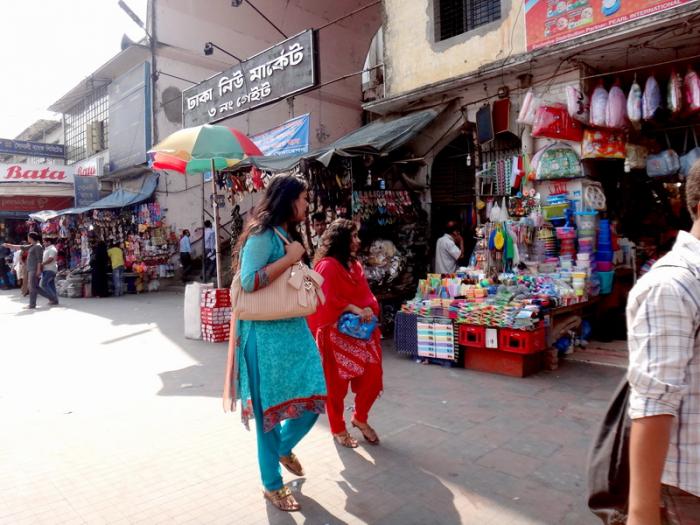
x,y
379,138
120,198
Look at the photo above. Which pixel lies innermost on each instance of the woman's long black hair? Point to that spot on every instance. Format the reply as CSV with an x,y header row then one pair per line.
x,y
336,241
275,208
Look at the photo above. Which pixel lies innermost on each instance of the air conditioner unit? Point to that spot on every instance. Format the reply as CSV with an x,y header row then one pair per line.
x,y
94,137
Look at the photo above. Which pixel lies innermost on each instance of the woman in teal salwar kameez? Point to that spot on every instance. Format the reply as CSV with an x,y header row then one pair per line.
x,y
276,366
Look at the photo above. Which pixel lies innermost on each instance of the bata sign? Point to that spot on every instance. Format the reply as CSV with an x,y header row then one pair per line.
x,y
36,173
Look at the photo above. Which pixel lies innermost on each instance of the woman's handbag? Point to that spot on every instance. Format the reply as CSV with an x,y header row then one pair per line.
x,y
608,462
603,144
352,325
295,293
664,163
691,157
554,122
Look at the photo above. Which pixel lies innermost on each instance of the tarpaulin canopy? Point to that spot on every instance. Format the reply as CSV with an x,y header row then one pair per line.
x,y
120,198
380,138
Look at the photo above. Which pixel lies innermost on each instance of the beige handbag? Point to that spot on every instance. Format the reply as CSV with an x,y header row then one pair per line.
x,y
295,293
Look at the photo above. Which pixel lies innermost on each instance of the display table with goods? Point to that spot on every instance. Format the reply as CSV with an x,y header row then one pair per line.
x,y
148,245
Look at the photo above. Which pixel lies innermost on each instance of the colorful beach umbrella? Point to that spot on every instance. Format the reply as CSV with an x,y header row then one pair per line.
x,y
192,150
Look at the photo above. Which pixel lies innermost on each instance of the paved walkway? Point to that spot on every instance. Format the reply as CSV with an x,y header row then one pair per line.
x,y
111,416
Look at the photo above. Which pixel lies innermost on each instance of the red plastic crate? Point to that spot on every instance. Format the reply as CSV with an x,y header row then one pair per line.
x,y
521,341
472,336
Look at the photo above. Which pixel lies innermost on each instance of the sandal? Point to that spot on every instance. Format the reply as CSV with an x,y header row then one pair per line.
x,y
291,463
283,499
346,440
367,432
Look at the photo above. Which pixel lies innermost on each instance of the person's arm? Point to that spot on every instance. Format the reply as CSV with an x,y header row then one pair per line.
x,y
456,250
255,272
22,247
661,338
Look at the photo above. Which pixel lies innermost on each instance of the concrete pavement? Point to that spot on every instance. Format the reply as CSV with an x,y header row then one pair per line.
x,y
110,416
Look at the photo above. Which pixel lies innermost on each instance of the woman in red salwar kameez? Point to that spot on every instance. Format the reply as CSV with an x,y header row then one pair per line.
x,y
346,360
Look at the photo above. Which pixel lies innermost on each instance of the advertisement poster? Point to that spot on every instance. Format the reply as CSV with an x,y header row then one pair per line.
x,y
291,138
550,22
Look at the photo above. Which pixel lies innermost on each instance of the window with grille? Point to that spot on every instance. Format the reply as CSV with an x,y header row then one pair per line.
x,y
93,107
455,17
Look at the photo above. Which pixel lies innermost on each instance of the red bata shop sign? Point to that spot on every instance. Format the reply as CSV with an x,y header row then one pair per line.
x,y
36,173
34,203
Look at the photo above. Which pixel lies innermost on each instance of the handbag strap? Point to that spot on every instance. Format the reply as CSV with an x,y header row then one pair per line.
x,y
284,239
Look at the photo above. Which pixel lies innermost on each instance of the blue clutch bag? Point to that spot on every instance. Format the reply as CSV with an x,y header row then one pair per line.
x,y
350,324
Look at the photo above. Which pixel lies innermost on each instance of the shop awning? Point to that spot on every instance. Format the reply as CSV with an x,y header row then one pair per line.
x,y
379,138
120,198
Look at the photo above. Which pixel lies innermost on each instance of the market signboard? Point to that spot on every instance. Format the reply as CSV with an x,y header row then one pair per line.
x,y
291,138
33,203
87,191
47,173
32,149
282,70
550,22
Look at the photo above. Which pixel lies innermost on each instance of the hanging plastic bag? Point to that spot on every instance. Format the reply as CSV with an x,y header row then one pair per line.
x,y
599,103
578,104
634,104
553,121
674,94
691,87
690,157
603,144
528,109
557,161
651,101
616,107
665,163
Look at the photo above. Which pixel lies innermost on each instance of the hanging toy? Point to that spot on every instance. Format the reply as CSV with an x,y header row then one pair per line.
x,y
634,104
651,101
674,97
499,239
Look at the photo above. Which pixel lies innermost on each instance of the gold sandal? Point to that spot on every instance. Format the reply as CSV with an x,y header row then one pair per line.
x,y
283,499
367,432
291,463
346,440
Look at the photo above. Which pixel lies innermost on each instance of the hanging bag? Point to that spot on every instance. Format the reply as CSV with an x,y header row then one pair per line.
x,y
484,124
691,157
636,156
664,163
556,161
603,144
528,109
554,122
608,462
578,104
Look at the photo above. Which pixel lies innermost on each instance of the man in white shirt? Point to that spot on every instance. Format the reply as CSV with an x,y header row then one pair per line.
x,y
663,325
185,254
449,249
49,271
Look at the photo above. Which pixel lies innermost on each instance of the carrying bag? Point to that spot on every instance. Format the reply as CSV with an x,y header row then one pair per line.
x,y
690,157
554,122
528,109
352,325
502,117
608,462
603,144
578,104
484,124
636,156
664,163
556,161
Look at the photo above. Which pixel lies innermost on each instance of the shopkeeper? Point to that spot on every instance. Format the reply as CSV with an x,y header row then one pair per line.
x,y
449,249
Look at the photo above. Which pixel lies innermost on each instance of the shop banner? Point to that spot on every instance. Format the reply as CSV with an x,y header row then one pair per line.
x,y
34,203
282,70
550,22
87,191
291,138
32,149
90,168
36,173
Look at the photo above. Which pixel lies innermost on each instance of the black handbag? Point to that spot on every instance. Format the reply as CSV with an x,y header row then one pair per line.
x,y
608,462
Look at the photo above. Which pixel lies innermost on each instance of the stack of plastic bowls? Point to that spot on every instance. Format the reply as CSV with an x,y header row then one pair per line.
x,y
604,253
586,222
579,283
567,240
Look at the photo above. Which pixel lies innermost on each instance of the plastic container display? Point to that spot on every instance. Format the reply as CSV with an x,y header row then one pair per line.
x,y
586,220
605,256
606,281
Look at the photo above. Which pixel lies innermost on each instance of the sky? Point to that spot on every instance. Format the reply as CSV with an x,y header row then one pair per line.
x,y
48,46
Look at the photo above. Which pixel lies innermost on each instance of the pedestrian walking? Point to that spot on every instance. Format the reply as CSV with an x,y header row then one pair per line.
x,y
347,360
209,251
49,271
34,260
24,274
275,365
116,257
99,265
663,322
185,254
4,267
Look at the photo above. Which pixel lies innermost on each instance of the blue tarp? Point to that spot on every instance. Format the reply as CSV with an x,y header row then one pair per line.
x,y
117,199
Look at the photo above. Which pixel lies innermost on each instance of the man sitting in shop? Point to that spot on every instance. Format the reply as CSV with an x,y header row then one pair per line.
x,y
449,249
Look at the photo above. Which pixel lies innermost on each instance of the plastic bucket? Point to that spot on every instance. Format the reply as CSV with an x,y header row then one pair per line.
x,y
605,256
604,266
606,281
586,220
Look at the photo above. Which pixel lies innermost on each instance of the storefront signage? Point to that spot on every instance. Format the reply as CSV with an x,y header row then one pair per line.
x,y
32,149
280,71
36,173
291,138
34,203
90,168
550,22
87,191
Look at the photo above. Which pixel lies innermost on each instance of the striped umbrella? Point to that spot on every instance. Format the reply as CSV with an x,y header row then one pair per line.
x,y
194,150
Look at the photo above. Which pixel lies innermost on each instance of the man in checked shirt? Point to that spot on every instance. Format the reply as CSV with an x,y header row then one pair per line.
x,y
663,321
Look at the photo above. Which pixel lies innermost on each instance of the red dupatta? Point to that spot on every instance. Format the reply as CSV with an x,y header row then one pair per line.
x,y
342,287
